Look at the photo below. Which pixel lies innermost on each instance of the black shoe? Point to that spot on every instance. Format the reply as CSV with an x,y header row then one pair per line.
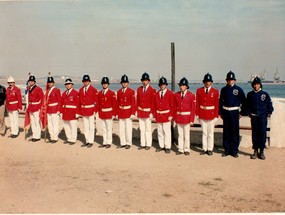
x,y
141,147
14,135
108,146
53,141
66,142
71,143
128,146
159,149
187,153
203,152
102,146
89,145
147,148
210,153
84,144
119,147
179,153
262,156
35,140
225,154
235,155
254,155
167,151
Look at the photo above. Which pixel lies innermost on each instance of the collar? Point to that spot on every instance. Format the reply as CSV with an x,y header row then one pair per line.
x,y
209,88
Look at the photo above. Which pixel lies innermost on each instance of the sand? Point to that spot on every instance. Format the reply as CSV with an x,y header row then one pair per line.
x,y
58,178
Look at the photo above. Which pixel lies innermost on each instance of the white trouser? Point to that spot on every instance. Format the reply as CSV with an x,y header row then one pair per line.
x,y
107,126
164,135
146,135
14,121
89,128
35,124
126,129
183,137
70,128
208,134
53,125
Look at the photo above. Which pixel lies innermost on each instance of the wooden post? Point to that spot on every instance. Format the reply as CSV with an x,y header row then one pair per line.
x,y
172,67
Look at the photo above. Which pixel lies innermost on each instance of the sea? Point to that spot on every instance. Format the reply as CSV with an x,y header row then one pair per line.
x,y
274,90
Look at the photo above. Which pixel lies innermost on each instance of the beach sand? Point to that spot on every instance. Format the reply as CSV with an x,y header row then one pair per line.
x,y
58,178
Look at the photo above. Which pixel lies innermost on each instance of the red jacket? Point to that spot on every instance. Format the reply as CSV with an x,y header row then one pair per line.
x,y
13,99
70,104
184,108
36,99
88,101
164,107
53,99
126,103
207,105
145,102
107,104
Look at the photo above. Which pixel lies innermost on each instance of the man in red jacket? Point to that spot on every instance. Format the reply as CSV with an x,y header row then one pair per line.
x,y
145,111
165,107
35,98
207,111
184,116
53,101
13,105
126,110
88,101
70,111
107,108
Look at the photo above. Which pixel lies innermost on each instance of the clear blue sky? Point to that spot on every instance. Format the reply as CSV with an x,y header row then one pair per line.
x,y
116,37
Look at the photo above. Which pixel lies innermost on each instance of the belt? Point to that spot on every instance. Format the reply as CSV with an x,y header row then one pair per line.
x,y
207,107
87,106
183,113
14,102
53,104
34,103
162,111
252,114
125,107
144,109
106,109
69,106
230,108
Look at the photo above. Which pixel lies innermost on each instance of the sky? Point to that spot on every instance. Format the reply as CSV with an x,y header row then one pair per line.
x,y
116,37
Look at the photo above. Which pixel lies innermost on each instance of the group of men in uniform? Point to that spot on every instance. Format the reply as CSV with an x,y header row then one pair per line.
x,y
146,104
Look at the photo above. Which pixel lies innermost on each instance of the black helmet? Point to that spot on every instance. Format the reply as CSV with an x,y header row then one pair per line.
x,y
162,80
207,78
124,79
50,79
105,80
32,78
256,80
86,77
145,76
68,81
184,81
231,76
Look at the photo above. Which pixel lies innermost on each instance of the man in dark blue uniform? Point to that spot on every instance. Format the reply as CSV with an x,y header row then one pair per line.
x,y
260,107
231,107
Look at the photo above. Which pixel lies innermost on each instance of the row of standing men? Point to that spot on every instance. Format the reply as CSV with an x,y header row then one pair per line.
x,y
164,106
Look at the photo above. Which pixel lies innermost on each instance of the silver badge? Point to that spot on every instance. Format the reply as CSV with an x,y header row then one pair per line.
x,y
263,97
235,92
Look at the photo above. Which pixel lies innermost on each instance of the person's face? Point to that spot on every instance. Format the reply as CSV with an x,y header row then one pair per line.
x,y
183,88
31,83
125,84
11,84
256,86
162,86
50,85
145,82
105,86
68,86
207,84
86,83
230,82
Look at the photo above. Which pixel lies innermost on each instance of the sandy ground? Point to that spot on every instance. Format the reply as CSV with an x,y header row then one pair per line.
x,y
45,178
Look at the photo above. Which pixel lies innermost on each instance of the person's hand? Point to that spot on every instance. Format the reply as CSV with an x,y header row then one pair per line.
x,y
151,116
133,116
269,115
170,118
77,116
191,124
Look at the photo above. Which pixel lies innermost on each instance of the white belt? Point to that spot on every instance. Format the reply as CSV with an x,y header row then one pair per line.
x,y
207,107
144,109
230,108
14,102
87,106
163,111
34,103
53,104
125,107
69,106
184,113
106,109
252,114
